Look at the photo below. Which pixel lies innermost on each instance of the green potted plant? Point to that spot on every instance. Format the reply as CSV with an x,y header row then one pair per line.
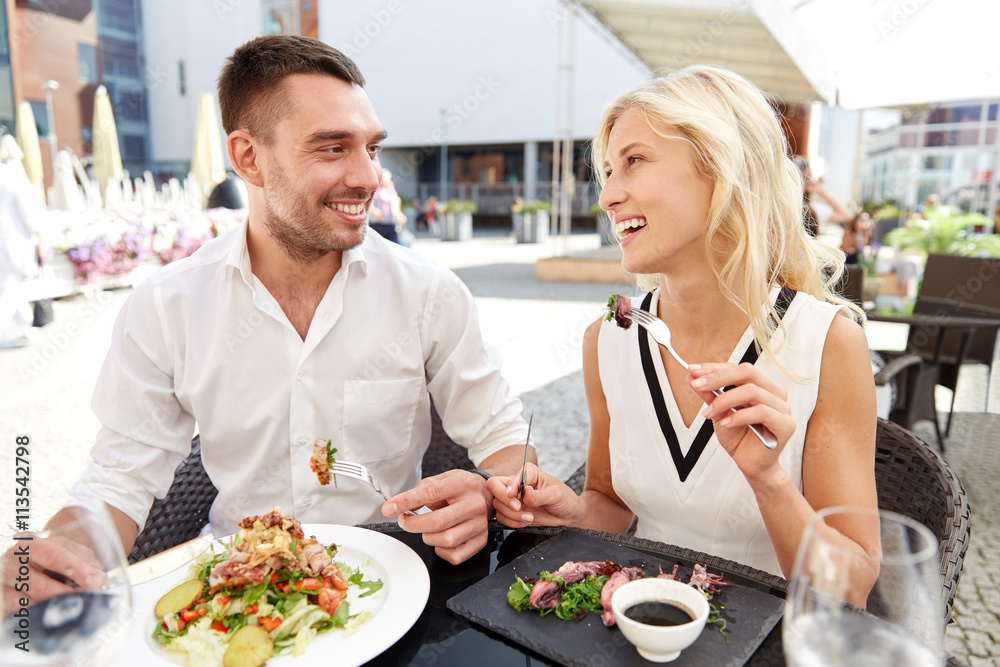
x,y
946,232
456,219
608,236
531,220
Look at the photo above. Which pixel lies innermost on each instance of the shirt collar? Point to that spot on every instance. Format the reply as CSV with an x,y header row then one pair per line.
x,y
239,255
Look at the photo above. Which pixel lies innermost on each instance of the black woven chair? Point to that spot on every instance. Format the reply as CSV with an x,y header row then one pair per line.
x,y
183,512
945,332
912,480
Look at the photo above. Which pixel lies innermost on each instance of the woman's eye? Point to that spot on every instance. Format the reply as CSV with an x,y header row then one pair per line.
x,y
633,159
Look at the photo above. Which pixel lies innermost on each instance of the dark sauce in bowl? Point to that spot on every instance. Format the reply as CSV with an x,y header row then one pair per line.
x,y
659,613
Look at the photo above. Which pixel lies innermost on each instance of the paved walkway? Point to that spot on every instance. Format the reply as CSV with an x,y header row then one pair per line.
x,y
538,329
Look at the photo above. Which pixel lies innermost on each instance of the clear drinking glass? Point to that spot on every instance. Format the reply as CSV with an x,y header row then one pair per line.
x,y
89,615
831,617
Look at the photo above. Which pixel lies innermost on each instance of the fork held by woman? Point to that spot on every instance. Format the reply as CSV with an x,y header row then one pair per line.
x,y
660,332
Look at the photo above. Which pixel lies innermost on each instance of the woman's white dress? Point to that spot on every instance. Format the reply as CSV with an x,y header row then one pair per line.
x,y
701,500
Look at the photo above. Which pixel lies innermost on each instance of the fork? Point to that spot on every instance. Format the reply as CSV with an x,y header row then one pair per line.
x,y
660,332
360,472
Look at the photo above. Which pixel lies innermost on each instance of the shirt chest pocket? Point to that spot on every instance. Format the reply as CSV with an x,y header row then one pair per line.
x,y
378,418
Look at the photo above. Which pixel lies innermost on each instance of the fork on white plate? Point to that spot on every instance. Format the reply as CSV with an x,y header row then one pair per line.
x,y
660,332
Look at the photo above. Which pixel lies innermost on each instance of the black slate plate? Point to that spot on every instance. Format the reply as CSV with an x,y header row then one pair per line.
x,y
751,614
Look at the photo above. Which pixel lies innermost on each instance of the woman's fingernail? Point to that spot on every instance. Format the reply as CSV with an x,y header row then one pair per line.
x,y
510,489
514,505
527,517
725,422
93,581
392,508
707,410
700,382
694,367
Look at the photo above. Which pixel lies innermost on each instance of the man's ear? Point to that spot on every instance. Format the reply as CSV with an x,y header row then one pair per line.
x,y
242,149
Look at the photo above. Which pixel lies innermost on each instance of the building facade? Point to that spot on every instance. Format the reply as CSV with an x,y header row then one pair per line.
x,y
950,150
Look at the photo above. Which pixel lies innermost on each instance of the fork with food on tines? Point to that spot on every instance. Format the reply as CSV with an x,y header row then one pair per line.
x,y
360,472
660,332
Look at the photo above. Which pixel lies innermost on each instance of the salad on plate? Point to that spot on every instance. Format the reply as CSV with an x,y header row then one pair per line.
x,y
269,591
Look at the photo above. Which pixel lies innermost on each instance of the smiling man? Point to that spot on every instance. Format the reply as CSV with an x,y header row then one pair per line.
x,y
299,326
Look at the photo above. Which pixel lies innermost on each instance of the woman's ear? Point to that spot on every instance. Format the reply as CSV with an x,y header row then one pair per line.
x,y
243,154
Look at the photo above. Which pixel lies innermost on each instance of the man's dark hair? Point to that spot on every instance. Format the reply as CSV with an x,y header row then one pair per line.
x,y
252,78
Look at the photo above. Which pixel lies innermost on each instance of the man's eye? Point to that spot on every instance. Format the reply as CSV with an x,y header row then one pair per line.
x,y
375,149
334,149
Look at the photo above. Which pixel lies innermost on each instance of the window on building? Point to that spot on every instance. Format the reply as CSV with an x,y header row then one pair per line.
x,y
117,14
134,148
120,59
130,105
41,117
962,114
992,112
87,58
908,139
181,83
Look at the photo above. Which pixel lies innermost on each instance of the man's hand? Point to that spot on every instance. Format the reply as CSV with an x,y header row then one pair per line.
x,y
457,527
44,567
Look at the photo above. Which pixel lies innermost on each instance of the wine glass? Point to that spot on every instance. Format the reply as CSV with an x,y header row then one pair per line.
x,y
88,618
849,607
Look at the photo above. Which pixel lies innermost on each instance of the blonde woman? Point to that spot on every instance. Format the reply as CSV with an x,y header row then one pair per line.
x,y
707,206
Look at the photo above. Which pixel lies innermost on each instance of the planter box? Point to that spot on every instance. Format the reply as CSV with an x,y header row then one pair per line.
x,y
531,227
456,226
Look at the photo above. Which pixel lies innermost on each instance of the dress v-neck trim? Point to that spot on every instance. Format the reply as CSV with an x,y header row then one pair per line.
x,y
670,400
667,412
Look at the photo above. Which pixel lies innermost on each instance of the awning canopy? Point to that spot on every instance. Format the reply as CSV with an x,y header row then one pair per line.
x,y
852,53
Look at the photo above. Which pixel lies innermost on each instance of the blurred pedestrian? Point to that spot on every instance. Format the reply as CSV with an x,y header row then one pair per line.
x,y
20,212
430,215
817,213
857,235
386,213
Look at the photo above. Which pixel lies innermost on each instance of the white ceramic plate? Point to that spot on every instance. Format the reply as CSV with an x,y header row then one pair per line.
x,y
396,607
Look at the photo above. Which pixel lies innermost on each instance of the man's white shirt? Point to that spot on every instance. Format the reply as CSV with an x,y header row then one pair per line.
x,y
203,343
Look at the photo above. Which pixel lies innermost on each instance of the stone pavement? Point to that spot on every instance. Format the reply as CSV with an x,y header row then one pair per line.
x,y
537,327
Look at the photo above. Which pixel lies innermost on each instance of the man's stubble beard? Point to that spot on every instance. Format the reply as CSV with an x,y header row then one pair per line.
x,y
301,233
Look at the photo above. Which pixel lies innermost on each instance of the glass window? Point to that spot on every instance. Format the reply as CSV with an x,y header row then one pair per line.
x,y
991,136
119,59
992,112
87,57
130,105
117,14
908,140
134,148
41,118
182,84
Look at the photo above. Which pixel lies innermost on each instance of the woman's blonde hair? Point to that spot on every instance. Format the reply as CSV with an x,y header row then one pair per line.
x,y
756,207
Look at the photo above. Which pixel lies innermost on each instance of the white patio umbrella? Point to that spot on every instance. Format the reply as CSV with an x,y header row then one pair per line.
x,y
207,165
107,163
857,54
27,139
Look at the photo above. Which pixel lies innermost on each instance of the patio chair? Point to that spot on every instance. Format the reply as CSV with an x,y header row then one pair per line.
x,y
955,292
852,285
912,480
183,512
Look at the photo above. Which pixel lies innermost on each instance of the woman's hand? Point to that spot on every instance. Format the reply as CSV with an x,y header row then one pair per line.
x,y
758,400
547,500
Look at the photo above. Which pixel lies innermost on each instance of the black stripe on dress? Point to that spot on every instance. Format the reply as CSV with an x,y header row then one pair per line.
x,y
685,464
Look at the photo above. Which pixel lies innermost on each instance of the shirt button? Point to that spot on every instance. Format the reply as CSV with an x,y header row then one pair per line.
x,y
299,376
306,502
303,442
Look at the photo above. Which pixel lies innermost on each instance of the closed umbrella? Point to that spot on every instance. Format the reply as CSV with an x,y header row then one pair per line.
x,y
27,139
207,165
107,156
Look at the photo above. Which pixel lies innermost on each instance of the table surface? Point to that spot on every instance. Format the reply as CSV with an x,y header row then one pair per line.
x,y
442,638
